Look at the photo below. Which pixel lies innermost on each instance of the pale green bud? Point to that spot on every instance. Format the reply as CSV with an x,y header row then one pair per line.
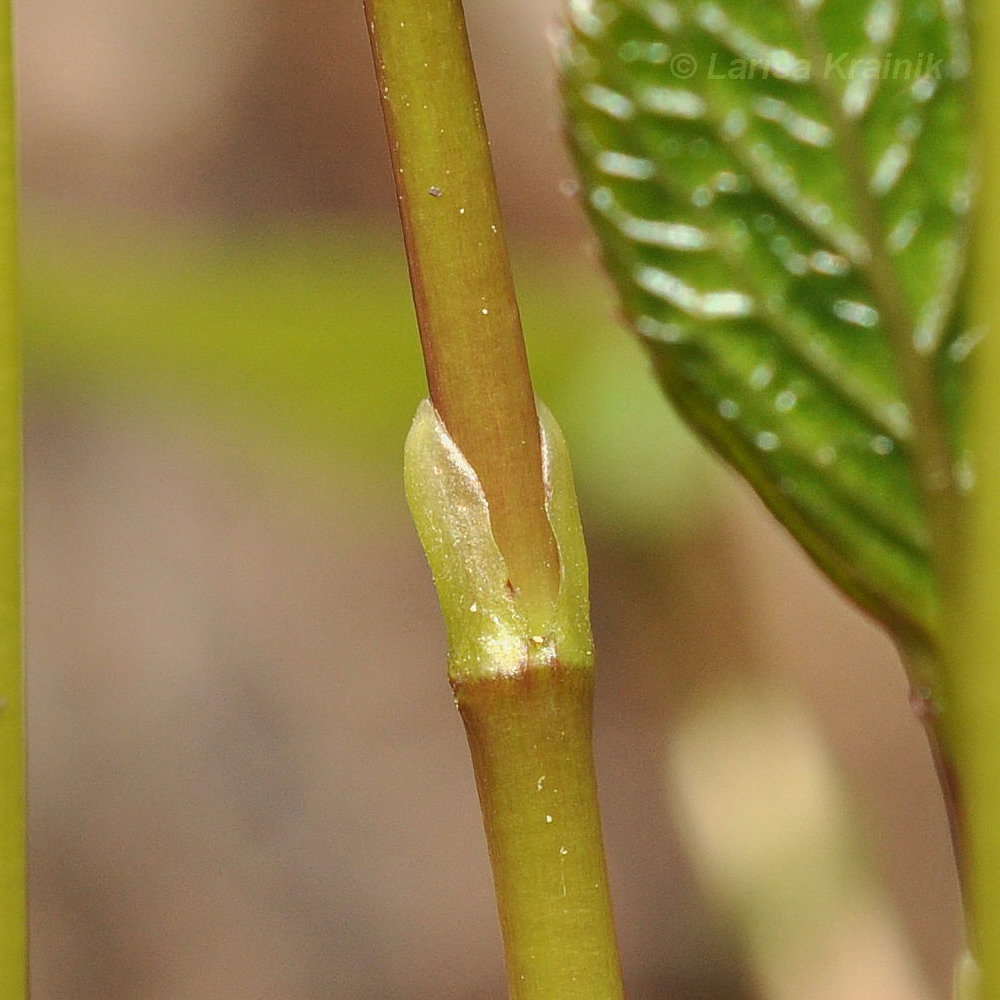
x,y
491,630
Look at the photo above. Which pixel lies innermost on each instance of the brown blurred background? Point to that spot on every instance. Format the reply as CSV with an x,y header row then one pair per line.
x,y
247,776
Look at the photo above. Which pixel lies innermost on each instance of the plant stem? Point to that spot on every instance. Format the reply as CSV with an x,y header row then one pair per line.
x,y
463,289
492,495
972,720
530,740
525,698
13,916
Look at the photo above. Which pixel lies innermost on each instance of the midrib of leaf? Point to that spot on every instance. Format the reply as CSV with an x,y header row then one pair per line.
x,y
928,438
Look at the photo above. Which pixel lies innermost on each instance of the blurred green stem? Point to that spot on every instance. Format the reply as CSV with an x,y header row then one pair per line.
x,y
13,917
972,716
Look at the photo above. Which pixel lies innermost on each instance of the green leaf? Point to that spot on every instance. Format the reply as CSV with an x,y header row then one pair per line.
x,y
781,192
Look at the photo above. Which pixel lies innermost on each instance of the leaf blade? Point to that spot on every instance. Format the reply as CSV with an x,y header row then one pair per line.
x,y
781,193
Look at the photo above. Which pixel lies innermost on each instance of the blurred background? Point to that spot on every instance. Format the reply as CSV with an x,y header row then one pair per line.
x,y
247,775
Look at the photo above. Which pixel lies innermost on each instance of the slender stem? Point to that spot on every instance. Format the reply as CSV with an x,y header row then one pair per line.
x,y
973,720
951,797
463,290
13,918
530,740
525,697
491,492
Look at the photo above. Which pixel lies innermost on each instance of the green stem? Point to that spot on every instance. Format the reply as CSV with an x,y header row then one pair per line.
x,y
492,496
972,719
525,693
530,739
13,919
463,290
